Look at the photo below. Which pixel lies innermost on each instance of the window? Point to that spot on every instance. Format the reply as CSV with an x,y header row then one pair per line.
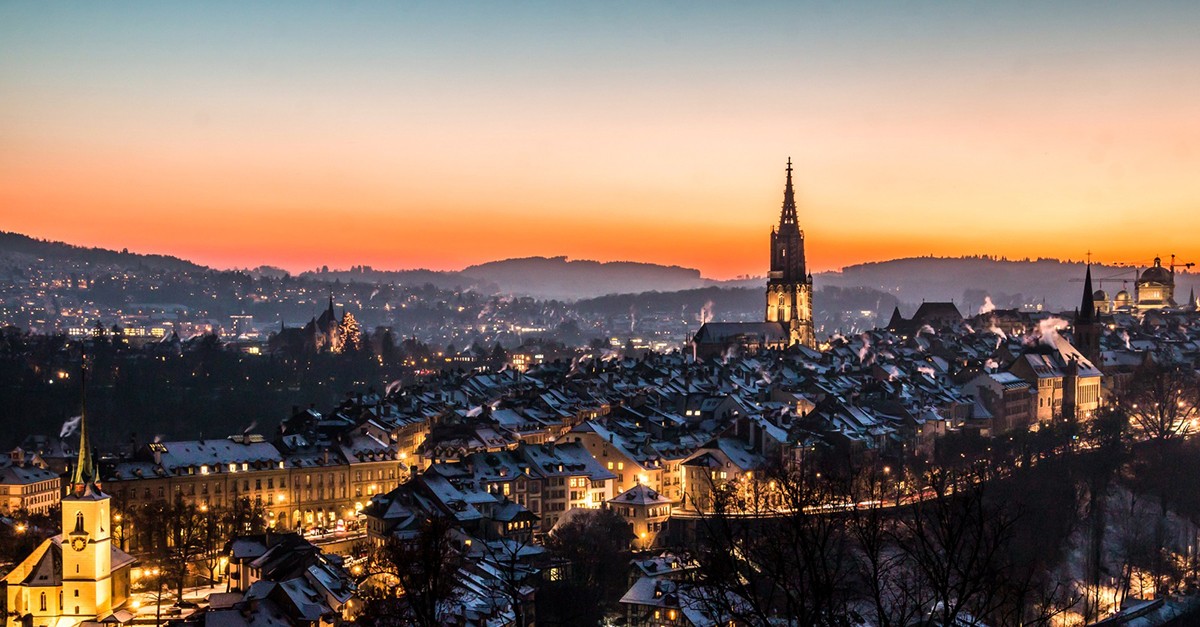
x,y
43,601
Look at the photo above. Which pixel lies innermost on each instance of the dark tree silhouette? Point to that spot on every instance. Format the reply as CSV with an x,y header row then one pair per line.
x,y
413,579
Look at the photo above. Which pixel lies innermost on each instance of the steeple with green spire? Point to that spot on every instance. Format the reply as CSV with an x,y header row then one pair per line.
x,y
85,477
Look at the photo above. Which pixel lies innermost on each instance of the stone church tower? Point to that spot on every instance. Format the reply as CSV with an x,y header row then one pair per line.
x,y
789,285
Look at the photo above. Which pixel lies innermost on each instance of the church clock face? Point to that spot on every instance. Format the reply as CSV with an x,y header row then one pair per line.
x,y
78,543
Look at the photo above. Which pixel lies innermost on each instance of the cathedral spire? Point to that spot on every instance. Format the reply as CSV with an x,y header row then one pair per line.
x,y
1087,307
787,215
84,477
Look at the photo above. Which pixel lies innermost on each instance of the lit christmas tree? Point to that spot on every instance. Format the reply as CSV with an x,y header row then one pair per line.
x,y
350,334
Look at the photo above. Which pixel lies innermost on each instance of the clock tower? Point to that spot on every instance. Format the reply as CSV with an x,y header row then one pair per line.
x,y
87,545
77,576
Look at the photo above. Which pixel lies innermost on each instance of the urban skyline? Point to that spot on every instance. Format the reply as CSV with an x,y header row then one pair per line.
x,y
900,328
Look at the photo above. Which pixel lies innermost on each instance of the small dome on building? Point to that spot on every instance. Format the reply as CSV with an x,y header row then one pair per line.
x,y
1100,295
1123,296
1155,274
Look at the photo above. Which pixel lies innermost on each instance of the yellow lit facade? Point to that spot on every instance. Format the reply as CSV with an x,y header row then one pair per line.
x,y
78,575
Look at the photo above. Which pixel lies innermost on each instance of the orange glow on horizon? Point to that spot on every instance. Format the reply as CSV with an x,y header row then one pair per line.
x,y
399,137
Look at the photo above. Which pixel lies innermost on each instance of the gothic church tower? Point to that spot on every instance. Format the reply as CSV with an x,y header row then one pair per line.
x,y
789,285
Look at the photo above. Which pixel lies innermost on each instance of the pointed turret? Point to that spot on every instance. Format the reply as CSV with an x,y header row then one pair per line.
x,y
1087,327
787,214
1087,307
85,477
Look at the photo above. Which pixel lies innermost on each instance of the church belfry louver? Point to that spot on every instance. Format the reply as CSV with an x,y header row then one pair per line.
x,y
789,285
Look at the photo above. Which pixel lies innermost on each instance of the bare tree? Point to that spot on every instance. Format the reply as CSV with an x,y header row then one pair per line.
x,y
595,545
424,569
953,540
888,580
512,572
789,555
1162,399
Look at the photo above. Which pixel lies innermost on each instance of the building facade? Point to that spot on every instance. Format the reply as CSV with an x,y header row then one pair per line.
x,y
29,488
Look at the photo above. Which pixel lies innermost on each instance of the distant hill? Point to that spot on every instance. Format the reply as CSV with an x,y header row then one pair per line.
x,y
967,280
19,249
448,280
836,309
563,279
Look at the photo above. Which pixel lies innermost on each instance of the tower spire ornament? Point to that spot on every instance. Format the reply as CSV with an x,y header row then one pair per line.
x,y
84,477
787,213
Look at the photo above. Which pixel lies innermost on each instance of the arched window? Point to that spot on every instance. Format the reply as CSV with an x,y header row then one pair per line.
x,y
78,521
43,602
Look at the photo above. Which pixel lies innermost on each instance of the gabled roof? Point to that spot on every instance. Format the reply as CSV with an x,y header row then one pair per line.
x,y
43,567
723,332
640,495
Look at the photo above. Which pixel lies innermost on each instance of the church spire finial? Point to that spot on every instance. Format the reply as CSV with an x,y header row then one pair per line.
x,y
787,215
1087,307
85,475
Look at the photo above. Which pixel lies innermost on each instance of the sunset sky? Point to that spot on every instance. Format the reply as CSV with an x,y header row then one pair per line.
x,y
403,134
